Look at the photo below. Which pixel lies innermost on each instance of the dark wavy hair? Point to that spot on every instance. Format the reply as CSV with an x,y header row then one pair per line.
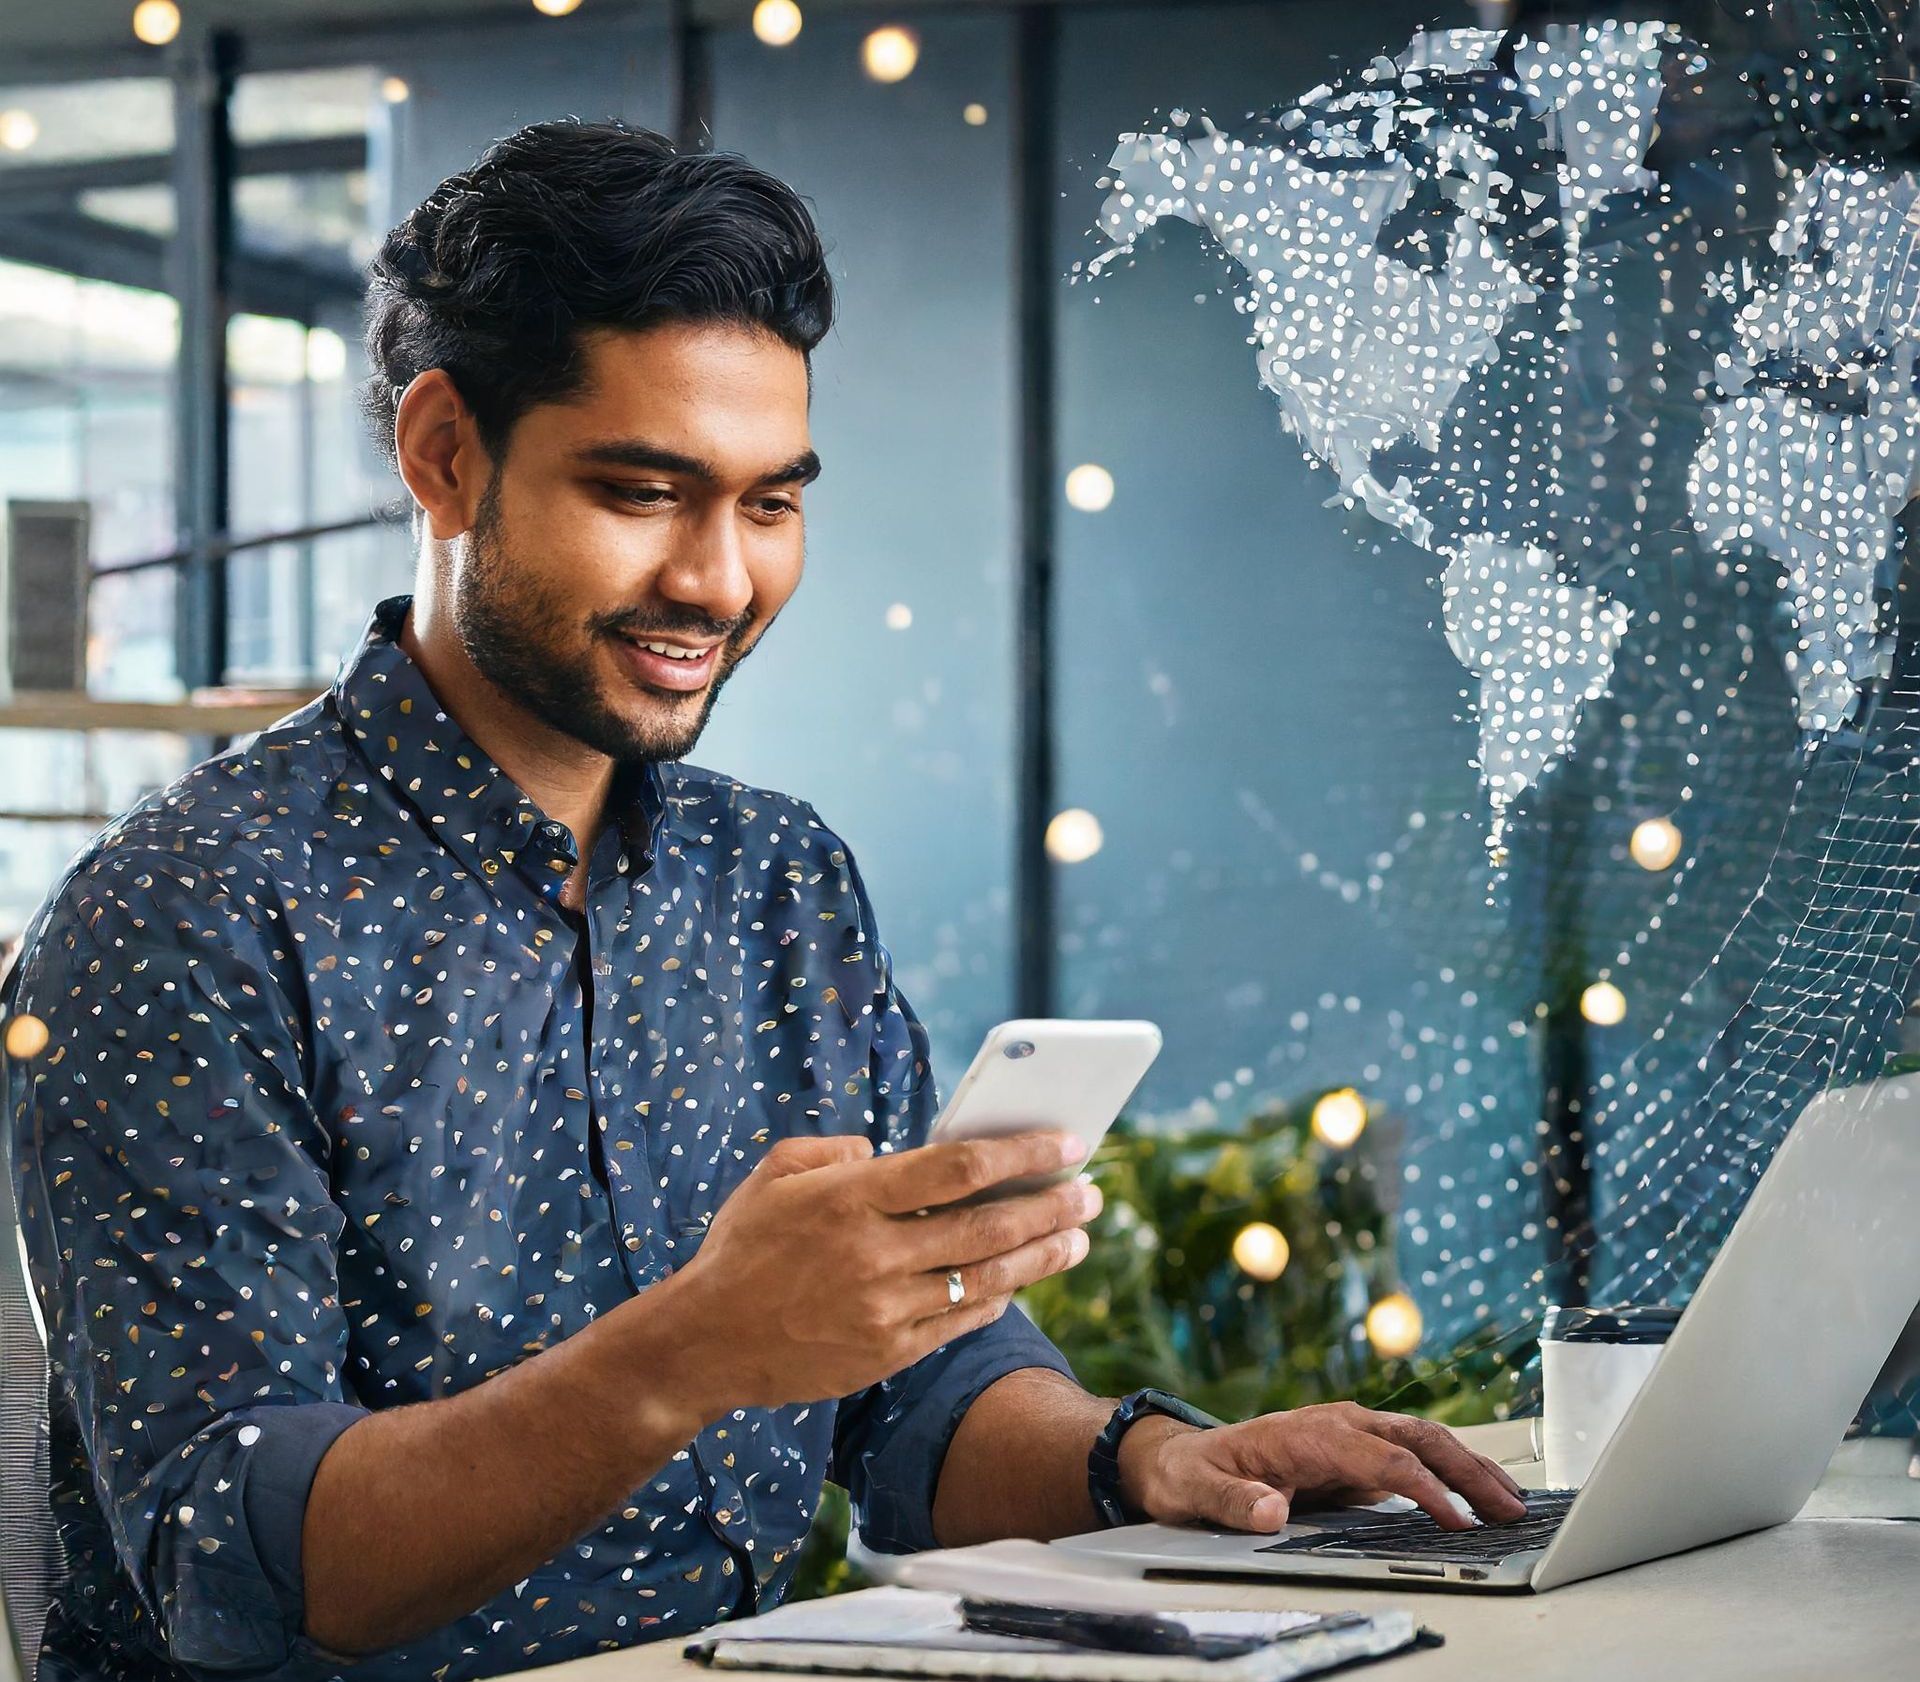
x,y
569,225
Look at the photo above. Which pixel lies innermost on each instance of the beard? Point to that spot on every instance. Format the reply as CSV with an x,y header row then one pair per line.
x,y
525,642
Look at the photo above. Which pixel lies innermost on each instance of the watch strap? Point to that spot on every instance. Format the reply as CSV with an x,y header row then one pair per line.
x,y
1103,1461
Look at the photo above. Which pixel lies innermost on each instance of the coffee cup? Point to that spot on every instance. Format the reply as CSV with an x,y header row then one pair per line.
x,y
1592,1364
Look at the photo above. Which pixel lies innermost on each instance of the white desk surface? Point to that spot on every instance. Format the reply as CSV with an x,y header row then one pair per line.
x,y
1817,1600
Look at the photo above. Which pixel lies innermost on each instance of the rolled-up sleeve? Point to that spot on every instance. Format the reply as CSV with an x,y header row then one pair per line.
x,y
172,1180
891,1439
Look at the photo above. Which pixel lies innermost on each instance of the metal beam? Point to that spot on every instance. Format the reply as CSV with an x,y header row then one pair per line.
x,y
95,249
1035,147
692,54
31,186
201,266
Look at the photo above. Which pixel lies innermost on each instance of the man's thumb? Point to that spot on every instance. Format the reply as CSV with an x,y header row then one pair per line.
x,y
1241,1504
797,1155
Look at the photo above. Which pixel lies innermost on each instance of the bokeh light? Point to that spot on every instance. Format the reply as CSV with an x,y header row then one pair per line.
x,y
26,1037
1603,1004
1339,1118
890,53
776,22
1089,488
1394,1326
1655,844
156,22
1074,836
18,129
1261,1250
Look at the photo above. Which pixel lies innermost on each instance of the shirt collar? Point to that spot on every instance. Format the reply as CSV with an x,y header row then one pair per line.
x,y
479,813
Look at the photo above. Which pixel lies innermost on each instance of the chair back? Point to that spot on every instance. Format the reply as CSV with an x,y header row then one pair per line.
x,y
32,1563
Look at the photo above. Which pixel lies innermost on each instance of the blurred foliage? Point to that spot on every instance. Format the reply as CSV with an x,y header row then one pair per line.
x,y
1160,1300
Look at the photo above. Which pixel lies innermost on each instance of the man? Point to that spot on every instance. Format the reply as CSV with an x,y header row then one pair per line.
x,y
467,1180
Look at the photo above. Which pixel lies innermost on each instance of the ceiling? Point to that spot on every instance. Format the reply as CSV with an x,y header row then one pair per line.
x,y
64,34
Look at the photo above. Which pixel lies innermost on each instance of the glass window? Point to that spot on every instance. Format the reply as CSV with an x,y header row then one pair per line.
x,y
885,695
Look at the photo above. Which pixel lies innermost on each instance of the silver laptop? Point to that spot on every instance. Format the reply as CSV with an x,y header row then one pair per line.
x,y
1732,1429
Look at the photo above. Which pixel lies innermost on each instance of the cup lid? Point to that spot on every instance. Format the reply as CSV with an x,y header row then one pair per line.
x,y
1649,1323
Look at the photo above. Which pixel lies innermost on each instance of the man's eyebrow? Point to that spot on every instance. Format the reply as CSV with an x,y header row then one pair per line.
x,y
635,452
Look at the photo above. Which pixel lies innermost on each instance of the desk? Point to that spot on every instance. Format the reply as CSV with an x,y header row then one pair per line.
x,y
1818,1600
1823,1599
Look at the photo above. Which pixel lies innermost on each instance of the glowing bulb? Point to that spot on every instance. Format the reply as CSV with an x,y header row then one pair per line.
x,y
394,90
1261,1251
26,1038
890,54
1655,844
1340,1118
1393,1326
776,22
18,130
556,8
1073,836
899,616
156,22
1603,1004
1089,488
975,114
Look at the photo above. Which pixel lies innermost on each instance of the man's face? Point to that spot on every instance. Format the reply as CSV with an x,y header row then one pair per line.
x,y
662,504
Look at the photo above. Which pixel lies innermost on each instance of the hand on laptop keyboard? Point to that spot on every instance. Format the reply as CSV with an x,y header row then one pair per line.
x,y
1248,1476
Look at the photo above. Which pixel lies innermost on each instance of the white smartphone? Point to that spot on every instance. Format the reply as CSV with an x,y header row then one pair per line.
x,y
1040,1073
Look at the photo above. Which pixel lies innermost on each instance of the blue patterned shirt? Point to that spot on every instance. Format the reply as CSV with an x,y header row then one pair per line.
x,y
342,1109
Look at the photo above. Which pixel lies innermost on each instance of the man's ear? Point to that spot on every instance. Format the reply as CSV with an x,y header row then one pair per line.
x,y
437,448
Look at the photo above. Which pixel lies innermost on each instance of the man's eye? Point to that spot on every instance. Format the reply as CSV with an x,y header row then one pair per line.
x,y
779,508
643,496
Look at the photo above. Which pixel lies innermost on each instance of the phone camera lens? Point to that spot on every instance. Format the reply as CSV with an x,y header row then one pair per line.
x,y
1020,1048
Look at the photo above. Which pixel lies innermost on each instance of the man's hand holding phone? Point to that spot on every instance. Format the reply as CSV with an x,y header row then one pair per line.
x,y
828,1268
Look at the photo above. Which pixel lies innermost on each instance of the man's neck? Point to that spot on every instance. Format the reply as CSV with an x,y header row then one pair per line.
x,y
567,781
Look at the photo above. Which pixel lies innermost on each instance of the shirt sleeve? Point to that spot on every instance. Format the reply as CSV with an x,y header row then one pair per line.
x,y
891,1439
172,1180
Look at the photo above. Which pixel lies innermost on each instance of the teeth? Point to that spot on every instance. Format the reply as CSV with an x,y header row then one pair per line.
x,y
673,653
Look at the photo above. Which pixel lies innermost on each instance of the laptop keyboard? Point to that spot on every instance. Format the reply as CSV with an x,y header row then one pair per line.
x,y
1416,1536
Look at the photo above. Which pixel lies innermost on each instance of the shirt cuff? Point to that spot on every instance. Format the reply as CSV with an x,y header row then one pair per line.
x,y
280,1471
903,1472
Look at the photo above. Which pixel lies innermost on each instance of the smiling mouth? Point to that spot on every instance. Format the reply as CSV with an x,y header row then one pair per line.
x,y
680,669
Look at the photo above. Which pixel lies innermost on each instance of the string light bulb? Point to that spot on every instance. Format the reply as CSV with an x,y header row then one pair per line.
x,y
1394,1326
776,22
394,90
1603,1004
1655,844
156,22
975,114
1074,836
18,129
890,53
1261,1251
1340,1118
1089,488
899,616
556,8
26,1038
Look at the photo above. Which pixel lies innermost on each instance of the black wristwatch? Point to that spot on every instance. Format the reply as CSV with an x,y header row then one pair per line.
x,y
1103,1462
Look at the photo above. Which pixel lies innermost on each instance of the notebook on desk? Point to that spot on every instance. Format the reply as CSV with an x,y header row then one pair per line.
x,y
917,1632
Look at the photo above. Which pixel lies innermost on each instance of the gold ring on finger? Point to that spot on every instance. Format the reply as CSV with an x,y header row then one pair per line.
x,y
956,1288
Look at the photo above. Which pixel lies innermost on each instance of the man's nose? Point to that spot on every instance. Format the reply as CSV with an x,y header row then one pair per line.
x,y
708,568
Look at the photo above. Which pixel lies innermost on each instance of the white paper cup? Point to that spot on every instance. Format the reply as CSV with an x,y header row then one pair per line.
x,y
1592,1364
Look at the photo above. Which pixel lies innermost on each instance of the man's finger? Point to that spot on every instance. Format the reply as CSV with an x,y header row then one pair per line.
x,y
953,1237
1240,1504
1002,1275
799,1154
937,1174
1378,1463
1488,1489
